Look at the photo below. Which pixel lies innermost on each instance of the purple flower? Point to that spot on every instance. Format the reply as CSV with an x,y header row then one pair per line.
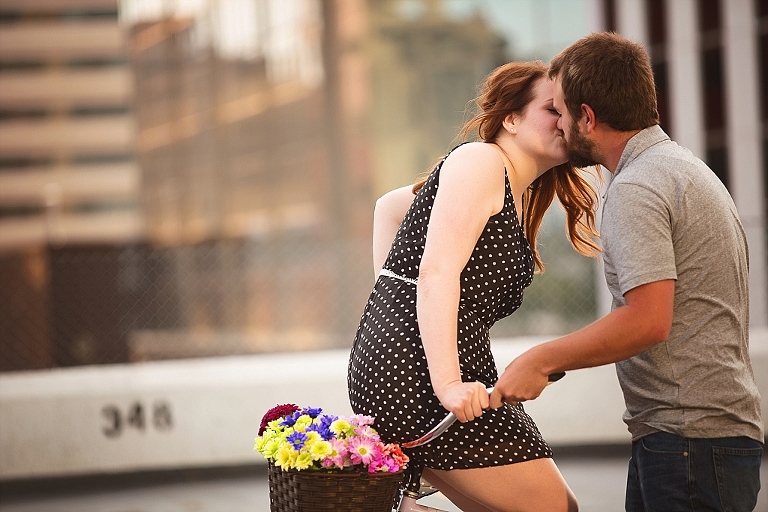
x,y
313,412
290,420
324,431
297,440
326,420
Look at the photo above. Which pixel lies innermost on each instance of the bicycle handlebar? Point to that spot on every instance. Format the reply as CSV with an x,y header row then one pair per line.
x,y
446,422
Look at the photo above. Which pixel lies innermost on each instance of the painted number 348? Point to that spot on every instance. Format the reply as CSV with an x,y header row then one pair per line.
x,y
137,416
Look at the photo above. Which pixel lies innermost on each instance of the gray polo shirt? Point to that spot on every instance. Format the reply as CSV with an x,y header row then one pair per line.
x,y
667,216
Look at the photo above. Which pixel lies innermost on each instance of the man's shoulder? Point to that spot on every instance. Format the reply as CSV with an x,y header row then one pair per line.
x,y
661,154
660,166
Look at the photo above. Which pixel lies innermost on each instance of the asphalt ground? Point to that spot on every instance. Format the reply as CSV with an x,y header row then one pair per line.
x,y
598,481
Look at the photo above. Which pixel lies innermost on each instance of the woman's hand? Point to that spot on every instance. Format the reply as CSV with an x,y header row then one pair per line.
x,y
466,400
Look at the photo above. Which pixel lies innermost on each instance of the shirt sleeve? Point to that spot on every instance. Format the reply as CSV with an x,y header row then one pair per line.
x,y
637,236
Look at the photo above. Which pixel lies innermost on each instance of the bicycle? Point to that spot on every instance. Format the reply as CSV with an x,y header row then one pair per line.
x,y
409,497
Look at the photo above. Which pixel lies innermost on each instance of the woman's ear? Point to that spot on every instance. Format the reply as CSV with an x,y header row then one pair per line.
x,y
510,123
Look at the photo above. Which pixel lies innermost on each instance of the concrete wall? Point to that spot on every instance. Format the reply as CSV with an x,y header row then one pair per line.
x,y
206,412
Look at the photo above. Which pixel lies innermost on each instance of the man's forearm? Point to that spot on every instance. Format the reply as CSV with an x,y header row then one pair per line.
x,y
617,336
644,321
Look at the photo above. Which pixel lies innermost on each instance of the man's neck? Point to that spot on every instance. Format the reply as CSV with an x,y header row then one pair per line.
x,y
612,144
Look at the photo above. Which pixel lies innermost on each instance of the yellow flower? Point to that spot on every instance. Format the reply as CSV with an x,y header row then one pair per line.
x,y
303,461
302,423
312,438
320,450
270,449
341,427
285,457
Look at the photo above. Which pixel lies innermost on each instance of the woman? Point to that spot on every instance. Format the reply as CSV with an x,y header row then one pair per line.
x,y
461,247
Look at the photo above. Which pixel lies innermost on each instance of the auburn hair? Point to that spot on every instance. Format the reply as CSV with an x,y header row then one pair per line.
x,y
613,76
507,90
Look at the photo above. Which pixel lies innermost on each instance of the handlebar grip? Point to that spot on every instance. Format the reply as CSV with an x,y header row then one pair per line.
x,y
450,418
554,377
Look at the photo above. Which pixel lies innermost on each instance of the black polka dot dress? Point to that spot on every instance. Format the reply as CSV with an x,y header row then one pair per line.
x,y
388,376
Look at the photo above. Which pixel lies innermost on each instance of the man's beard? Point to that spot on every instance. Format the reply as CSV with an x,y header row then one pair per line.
x,y
582,152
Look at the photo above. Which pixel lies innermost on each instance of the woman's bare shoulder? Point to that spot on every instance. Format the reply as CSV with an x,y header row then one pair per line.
x,y
477,158
480,149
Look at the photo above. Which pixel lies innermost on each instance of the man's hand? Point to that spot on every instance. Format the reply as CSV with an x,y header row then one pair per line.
x,y
520,381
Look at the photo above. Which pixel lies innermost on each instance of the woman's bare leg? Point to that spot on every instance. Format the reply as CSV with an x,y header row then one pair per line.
x,y
532,486
465,503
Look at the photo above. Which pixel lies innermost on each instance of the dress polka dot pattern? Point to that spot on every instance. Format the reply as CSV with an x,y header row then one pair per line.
x,y
388,376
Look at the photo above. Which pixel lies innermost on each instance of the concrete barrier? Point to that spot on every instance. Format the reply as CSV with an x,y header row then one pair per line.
x,y
206,412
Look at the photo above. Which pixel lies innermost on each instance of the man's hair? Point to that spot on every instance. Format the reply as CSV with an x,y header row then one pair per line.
x,y
613,76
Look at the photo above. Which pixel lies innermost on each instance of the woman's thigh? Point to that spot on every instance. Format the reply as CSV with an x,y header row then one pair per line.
x,y
535,485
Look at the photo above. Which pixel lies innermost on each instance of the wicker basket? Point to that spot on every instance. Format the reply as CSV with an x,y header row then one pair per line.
x,y
311,491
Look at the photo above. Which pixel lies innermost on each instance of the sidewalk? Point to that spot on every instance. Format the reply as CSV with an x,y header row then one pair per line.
x,y
598,483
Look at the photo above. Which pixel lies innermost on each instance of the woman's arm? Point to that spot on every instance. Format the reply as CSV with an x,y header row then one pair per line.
x,y
387,215
471,191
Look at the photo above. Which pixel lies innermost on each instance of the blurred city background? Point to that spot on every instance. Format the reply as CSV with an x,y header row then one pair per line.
x,y
190,179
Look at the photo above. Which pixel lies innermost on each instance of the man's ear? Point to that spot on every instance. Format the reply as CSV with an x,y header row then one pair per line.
x,y
588,118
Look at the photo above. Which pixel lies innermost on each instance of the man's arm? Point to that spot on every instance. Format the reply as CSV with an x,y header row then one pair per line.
x,y
644,321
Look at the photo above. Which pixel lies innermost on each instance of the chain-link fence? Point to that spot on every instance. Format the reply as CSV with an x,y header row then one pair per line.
x,y
93,305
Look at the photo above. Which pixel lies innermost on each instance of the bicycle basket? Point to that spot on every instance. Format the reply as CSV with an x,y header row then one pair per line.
x,y
312,491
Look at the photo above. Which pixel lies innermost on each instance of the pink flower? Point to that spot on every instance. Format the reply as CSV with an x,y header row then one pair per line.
x,y
383,462
375,465
358,420
394,451
340,456
367,432
363,450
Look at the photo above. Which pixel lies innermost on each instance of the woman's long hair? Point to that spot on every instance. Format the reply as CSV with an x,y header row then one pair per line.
x,y
509,89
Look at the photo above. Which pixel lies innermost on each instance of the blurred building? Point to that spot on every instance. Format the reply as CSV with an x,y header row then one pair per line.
x,y
69,185
263,145
710,59
256,137
197,178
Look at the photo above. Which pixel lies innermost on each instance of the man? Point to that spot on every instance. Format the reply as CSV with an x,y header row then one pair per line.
x,y
676,263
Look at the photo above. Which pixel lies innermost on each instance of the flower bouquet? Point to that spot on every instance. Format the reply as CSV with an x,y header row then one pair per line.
x,y
323,462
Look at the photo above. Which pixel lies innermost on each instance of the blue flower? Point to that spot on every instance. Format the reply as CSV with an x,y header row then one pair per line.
x,y
313,412
323,430
297,439
290,420
326,420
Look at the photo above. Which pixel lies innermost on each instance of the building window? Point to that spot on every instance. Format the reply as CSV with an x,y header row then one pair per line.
x,y
761,10
711,55
609,12
657,40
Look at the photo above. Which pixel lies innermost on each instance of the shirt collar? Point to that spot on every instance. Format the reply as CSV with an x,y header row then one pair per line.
x,y
641,141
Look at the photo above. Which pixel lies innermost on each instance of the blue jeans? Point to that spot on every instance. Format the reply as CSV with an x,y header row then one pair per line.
x,y
677,474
